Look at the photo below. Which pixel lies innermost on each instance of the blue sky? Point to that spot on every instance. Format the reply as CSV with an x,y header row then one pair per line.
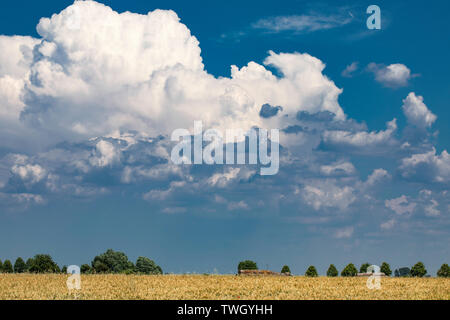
x,y
80,155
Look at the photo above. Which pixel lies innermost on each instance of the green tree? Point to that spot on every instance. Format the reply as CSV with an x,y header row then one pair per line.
x,y
311,272
332,271
19,265
159,269
364,267
418,270
43,263
1,266
147,266
247,265
444,271
28,264
112,261
64,269
349,271
85,268
386,269
7,267
285,269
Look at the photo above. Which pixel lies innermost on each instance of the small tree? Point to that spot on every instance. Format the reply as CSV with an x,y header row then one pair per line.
x,y
386,269
311,272
285,269
247,265
64,269
444,271
19,265
332,271
43,263
7,267
85,268
418,270
1,266
363,268
349,271
147,266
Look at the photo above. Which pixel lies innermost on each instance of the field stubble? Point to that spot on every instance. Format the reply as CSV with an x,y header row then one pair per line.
x,y
228,287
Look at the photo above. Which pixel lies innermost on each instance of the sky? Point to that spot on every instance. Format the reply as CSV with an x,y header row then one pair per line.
x,y
90,93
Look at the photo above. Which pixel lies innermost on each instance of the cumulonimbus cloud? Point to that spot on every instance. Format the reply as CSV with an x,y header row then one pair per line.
x,y
95,71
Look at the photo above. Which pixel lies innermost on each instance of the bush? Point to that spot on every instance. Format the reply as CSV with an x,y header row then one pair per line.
x,y
364,267
20,266
85,268
111,261
7,267
332,271
42,263
147,266
418,270
349,271
285,269
311,272
444,271
247,265
386,269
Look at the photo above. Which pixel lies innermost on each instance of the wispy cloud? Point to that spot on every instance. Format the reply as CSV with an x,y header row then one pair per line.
x,y
350,69
303,23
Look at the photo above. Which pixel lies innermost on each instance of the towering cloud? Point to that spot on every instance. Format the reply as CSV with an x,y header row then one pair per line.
x,y
95,71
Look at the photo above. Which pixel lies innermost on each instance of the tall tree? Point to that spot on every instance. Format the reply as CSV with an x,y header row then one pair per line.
x,y
363,268
332,271
112,261
147,266
247,265
19,265
311,272
418,270
349,271
386,269
444,271
285,269
43,263
7,267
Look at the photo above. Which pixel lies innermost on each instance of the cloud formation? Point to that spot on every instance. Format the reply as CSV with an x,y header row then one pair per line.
x,y
393,75
416,112
87,109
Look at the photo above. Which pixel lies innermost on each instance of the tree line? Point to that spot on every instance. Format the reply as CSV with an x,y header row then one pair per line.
x,y
108,262
418,270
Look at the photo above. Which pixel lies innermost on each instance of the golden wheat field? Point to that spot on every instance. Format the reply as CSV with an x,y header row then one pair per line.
x,y
228,287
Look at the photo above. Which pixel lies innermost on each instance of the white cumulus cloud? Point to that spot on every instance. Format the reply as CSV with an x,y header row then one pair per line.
x,y
416,112
394,75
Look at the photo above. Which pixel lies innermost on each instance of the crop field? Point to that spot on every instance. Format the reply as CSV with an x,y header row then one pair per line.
x,y
228,287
